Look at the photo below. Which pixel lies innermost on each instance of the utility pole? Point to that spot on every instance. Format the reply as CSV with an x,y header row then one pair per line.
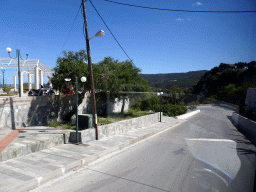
x,y
90,70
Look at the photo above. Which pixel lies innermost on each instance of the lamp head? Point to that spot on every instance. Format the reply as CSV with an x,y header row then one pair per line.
x,y
100,33
67,79
83,79
8,49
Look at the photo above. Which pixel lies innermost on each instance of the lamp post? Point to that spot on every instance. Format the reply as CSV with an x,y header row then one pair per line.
x,y
159,94
83,79
3,70
8,49
100,33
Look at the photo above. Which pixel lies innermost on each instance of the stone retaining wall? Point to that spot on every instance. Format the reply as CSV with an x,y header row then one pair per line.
x,y
115,128
17,112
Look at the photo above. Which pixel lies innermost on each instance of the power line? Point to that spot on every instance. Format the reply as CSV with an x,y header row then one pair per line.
x,y
110,31
189,11
71,27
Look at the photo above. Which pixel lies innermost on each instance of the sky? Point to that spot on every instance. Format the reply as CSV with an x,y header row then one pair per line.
x,y
156,41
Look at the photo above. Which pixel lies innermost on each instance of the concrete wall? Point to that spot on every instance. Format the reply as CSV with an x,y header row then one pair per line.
x,y
251,97
246,124
117,105
17,112
116,128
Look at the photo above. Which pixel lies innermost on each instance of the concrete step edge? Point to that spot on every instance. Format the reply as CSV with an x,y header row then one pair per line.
x,y
39,145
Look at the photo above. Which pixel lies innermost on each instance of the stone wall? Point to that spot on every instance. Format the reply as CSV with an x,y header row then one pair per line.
x,y
17,112
116,128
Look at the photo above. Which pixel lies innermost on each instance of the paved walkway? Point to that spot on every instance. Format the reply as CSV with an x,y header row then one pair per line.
x,y
29,171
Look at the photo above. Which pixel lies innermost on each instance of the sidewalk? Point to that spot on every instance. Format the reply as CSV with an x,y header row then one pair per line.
x,y
29,171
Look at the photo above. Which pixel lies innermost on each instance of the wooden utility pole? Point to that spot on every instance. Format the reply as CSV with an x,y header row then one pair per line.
x,y
91,71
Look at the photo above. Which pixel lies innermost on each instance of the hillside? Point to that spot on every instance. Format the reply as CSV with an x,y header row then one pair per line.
x,y
166,80
214,81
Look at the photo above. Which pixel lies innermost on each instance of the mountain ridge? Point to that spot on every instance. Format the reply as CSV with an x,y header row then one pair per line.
x,y
166,80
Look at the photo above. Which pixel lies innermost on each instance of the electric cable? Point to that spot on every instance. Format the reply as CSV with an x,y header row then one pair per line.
x,y
189,11
71,27
110,31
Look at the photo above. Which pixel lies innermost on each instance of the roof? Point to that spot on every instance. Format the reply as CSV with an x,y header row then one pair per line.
x,y
26,65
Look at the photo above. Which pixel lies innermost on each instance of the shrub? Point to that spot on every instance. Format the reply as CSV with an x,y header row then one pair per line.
x,y
147,104
7,89
193,103
177,110
68,126
53,123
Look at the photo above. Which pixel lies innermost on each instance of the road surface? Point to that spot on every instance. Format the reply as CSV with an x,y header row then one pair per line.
x,y
206,153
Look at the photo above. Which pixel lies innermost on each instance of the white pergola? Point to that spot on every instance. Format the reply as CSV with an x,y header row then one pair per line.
x,y
32,67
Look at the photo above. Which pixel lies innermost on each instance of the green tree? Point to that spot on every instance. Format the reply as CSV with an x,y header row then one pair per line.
x,y
175,90
70,65
114,76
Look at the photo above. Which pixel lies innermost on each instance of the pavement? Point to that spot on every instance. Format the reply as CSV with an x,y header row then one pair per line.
x,y
36,155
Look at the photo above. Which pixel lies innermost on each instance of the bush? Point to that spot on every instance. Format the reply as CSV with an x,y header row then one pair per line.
x,y
177,110
53,123
147,104
166,107
7,89
193,103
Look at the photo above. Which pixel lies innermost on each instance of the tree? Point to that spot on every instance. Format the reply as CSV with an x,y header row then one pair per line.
x,y
114,76
71,65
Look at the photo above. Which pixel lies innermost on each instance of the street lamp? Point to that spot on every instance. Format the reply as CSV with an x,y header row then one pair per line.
x,y
8,49
83,79
3,70
159,94
100,33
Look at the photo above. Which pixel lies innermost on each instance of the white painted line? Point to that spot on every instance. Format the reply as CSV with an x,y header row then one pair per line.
x,y
39,179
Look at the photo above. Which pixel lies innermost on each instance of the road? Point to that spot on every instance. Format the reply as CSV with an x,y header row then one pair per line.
x,y
206,153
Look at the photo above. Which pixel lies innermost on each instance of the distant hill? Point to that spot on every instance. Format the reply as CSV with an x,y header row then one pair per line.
x,y
214,81
166,80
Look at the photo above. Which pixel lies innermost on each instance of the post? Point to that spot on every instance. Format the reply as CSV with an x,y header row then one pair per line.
x,y
77,141
41,76
18,54
91,71
36,77
29,82
14,82
3,78
21,83
160,107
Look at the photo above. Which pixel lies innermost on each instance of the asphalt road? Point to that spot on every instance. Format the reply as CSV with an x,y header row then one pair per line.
x,y
206,153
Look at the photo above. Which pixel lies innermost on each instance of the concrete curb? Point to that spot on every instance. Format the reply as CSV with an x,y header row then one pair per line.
x,y
20,149
187,115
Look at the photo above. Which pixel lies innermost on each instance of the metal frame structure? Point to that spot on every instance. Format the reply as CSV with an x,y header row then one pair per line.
x,y
32,67
27,65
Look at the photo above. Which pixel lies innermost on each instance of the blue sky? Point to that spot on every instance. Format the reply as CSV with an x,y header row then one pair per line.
x,y
156,41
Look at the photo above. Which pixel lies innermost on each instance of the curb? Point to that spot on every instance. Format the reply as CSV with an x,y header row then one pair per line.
x,y
79,164
26,148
